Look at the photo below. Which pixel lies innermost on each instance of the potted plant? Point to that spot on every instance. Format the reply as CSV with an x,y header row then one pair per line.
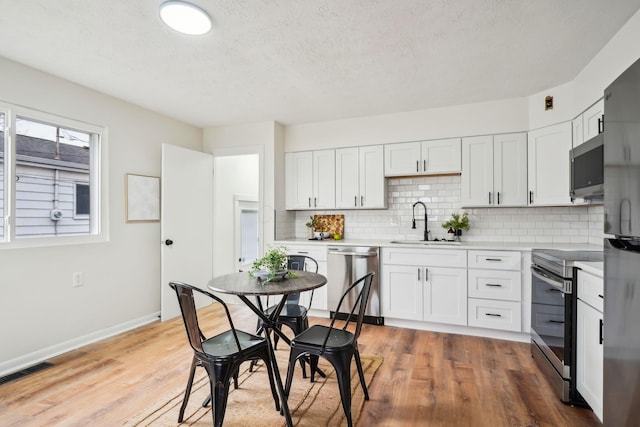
x,y
272,265
312,225
457,223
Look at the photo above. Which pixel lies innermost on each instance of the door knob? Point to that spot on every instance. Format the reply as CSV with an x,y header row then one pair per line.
x,y
168,242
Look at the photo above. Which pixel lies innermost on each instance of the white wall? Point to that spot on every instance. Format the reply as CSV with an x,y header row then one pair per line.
x,y
588,86
234,175
40,312
504,116
264,138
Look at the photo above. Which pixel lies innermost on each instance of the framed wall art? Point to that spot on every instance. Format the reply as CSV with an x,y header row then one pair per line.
x,y
142,198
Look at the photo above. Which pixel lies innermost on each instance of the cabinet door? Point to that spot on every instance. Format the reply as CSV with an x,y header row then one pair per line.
x,y
299,182
324,179
401,288
477,171
591,120
445,295
589,356
441,156
373,191
347,188
510,169
577,134
548,165
319,301
402,159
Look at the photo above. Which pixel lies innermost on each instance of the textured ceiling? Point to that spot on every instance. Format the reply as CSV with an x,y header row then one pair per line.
x,y
297,61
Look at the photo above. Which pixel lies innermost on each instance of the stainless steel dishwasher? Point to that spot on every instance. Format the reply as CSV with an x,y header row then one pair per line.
x,y
345,265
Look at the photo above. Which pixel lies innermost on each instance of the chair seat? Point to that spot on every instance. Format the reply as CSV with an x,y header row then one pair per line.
x,y
289,310
225,345
315,335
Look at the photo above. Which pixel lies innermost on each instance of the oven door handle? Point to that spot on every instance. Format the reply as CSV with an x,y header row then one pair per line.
x,y
563,285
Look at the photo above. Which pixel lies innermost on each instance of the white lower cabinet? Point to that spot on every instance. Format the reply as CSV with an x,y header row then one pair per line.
x,y
589,347
424,285
319,253
495,290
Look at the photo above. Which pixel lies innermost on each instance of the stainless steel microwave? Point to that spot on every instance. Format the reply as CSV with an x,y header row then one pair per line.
x,y
587,169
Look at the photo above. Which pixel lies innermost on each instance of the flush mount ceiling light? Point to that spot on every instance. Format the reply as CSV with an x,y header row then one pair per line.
x,y
185,17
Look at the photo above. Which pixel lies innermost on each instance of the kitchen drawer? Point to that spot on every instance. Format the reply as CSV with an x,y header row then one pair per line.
x,y
501,260
319,253
495,284
425,257
591,290
505,315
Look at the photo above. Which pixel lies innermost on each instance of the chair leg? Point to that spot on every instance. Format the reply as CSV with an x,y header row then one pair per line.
x,y
219,379
361,375
187,391
313,361
342,365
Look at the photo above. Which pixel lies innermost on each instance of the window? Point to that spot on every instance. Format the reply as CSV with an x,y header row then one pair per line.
x,y
82,205
50,184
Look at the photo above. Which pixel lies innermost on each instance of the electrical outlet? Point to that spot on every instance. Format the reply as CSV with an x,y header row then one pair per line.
x,y
78,279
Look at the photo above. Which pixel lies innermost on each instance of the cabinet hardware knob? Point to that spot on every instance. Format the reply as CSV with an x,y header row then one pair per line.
x,y
355,201
309,201
424,167
168,242
601,296
489,197
493,314
361,200
498,197
417,165
315,202
493,259
530,196
601,330
494,285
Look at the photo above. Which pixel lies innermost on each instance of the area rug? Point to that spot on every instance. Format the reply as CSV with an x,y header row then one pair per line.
x,y
311,404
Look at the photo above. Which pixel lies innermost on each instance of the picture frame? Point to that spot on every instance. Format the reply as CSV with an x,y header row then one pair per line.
x,y
142,197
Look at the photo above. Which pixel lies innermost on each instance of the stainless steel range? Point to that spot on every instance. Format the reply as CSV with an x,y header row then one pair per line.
x,y
553,316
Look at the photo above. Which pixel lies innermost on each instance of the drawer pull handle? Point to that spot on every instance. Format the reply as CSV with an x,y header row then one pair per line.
x,y
601,296
601,327
493,314
303,252
494,285
557,321
493,259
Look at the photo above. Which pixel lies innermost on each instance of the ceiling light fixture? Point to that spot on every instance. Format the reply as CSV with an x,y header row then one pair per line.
x,y
185,17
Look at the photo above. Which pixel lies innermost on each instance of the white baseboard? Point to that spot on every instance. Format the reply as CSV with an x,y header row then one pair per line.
x,y
35,357
459,329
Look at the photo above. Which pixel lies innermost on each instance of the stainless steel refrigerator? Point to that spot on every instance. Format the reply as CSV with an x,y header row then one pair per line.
x,y
622,253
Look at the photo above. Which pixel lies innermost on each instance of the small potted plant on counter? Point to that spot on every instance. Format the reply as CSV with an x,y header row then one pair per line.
x,y
273,265
312,225
456,224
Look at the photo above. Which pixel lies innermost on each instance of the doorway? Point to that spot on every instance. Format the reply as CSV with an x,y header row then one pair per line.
x,y
236,199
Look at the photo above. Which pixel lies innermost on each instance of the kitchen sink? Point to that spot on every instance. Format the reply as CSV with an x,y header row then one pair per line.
x,y
428,243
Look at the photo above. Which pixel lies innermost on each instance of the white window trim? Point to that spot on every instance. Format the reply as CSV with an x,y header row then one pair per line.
x,y
98,175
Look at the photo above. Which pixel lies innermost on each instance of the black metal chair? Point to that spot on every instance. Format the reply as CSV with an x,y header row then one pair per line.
x,y
220,355
294,315
337,345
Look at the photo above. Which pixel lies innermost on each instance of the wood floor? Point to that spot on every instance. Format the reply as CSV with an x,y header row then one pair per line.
x,y
427,379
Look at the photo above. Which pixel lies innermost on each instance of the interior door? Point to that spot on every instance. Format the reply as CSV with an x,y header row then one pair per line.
x,y
186,226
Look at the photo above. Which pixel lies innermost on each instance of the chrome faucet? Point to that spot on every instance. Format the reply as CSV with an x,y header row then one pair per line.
x,y
413,222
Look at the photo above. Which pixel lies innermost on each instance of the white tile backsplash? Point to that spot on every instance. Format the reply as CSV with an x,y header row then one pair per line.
x,y
441,194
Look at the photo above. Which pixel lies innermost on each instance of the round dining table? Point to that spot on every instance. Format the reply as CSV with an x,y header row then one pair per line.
x,y
244,285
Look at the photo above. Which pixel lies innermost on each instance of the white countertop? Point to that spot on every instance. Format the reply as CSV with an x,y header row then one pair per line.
x,y
497,246
595,268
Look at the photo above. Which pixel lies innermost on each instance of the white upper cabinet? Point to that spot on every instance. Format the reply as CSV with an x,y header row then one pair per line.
x,y
477,171
510,169
588,124
592,120
422,158
494,170
548,165
310,180
360,178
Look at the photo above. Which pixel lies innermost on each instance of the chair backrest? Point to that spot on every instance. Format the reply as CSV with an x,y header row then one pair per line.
x,y
186,300
362,289
300,263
